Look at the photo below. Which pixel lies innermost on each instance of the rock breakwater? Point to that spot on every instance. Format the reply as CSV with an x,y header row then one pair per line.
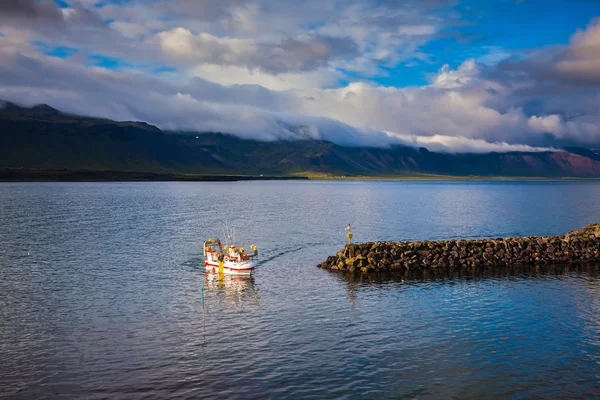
x,y
574,247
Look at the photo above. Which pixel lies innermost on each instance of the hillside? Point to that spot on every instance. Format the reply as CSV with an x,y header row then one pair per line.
x,y
44,138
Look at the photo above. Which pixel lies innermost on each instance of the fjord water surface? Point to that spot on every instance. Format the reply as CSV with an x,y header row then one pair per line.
x,y
102,294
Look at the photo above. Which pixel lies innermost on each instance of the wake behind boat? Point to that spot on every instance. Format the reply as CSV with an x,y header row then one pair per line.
x,y
228,259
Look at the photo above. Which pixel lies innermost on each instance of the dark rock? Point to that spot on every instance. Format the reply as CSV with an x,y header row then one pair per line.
x,y
576,246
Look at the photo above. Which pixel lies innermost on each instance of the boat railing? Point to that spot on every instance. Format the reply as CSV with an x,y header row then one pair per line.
x,y
229,252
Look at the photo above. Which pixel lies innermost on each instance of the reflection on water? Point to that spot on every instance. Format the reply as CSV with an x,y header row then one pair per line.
x,y
235,291
592,270
355,280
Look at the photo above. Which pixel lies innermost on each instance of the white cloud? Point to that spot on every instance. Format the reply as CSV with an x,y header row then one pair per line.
x,y
417,30
581,60
307,52
549,123
461,144
231,75
451,79
129,29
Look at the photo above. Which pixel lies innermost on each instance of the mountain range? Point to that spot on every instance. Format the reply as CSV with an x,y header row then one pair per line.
x,y
43,138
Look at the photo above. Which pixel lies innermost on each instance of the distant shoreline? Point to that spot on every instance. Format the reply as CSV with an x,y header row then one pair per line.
x,y
449,178
66,175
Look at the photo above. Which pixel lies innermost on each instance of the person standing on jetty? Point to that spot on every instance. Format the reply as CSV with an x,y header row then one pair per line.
x,y
349,234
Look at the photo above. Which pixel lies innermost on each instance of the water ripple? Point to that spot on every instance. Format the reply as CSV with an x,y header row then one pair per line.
x,y
102,284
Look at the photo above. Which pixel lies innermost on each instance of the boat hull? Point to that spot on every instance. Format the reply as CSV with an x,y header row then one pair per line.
x,y
231,268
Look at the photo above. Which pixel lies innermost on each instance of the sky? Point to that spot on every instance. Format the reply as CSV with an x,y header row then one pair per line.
x,y
449,75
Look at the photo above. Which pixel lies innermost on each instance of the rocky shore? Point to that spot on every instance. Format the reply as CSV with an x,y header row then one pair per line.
x,y
575,247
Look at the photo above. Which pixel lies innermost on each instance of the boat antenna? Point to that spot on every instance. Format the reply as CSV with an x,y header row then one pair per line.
x,y
226,233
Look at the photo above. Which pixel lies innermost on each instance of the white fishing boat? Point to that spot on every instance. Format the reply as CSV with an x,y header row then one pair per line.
x,y
229,259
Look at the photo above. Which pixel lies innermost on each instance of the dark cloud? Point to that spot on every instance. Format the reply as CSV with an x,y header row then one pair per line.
x,y
205,10
48,13
44,10
39,10
46,74
576,64
310,53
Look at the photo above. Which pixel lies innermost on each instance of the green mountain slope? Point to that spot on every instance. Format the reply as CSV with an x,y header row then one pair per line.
x,y
42,137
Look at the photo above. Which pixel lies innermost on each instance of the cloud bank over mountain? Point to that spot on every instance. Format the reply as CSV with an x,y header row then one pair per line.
x,y
342,71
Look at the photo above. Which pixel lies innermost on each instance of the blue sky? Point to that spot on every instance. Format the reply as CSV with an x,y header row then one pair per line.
x,y
447,73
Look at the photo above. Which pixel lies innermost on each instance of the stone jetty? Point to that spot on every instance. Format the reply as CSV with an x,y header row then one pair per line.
x,y
575,247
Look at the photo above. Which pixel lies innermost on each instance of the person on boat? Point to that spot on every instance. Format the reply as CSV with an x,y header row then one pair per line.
x,y
233,253
349,234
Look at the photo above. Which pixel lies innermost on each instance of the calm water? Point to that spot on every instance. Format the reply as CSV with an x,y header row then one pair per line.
x,y
101,294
